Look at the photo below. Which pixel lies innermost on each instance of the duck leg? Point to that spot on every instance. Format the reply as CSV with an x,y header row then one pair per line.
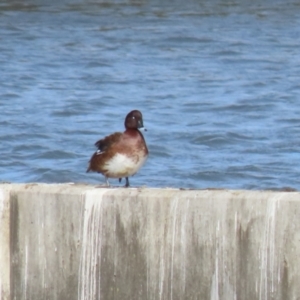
x,y
127,182
120,179
106,181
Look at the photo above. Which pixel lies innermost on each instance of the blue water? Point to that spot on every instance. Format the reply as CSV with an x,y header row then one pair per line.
x,y
217,82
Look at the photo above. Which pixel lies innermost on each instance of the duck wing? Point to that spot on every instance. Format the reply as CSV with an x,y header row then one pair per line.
x,y
109,140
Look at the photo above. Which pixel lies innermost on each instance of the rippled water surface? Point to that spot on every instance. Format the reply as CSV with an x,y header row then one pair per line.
x,y
217,82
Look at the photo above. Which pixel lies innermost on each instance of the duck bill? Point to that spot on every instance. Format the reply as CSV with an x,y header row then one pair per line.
x,y
141,126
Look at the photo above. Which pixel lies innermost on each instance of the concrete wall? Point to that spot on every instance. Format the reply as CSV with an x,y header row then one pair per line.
x,y
82,242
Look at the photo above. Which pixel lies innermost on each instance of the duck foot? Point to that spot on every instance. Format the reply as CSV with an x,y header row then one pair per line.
x,y
127,182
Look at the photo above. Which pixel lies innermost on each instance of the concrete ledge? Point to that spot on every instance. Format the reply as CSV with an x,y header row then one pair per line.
x,y
69,241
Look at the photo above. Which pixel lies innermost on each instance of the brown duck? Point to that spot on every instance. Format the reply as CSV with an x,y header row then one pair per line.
x,y
121,154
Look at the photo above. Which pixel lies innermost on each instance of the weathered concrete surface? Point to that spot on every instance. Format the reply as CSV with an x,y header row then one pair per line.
x,y
82,242
4,243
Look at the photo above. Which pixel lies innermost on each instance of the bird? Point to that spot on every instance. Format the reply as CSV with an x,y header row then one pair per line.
x,y
121,155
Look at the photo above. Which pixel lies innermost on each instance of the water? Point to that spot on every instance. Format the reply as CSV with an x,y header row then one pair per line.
x,y
217,82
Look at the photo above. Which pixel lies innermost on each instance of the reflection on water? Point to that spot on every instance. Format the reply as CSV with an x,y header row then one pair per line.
x,y
217,82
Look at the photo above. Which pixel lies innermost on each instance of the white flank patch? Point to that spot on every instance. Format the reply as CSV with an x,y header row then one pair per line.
x,y
123,166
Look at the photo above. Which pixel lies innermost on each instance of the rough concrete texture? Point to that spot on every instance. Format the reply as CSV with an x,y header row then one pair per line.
x,y
4,243
82,242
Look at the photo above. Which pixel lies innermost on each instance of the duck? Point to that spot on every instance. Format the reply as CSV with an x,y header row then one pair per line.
x,y
121,155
